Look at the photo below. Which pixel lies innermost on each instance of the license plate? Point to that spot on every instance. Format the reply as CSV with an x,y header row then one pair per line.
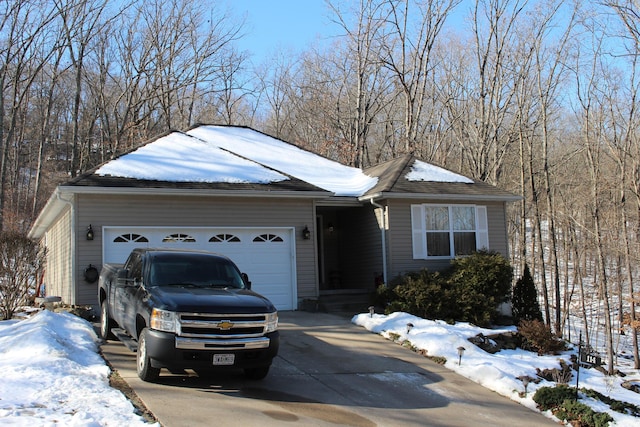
x,y
224,359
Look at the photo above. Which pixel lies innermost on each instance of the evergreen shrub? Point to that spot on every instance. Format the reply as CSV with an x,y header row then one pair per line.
x,y
561,401
470,290
551,398
524,300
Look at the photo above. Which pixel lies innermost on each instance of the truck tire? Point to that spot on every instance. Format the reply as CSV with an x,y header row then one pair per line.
x,y
106,323
146,372
256,373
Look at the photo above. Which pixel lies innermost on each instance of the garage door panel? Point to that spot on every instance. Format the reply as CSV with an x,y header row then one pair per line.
x,y
265,254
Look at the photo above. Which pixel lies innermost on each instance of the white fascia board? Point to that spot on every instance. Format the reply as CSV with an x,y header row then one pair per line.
x,y
51,210
194,192
457,197
340,201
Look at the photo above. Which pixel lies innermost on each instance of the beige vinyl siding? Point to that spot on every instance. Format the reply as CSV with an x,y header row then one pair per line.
x,y
188,211
399,242
57,240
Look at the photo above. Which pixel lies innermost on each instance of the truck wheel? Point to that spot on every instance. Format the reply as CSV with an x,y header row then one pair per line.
x,y
146,372
257,373
106,324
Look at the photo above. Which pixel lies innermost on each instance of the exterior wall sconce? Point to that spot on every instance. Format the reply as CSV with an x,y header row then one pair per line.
x,y
89,232
306,234
330,227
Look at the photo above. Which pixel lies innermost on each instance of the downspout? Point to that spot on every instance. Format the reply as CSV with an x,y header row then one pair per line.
x,y
72,246
383,239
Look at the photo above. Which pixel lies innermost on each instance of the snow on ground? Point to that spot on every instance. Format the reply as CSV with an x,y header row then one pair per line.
x,y
497,372
52,374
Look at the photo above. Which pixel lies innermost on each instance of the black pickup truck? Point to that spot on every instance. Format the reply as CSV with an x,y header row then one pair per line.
x,y
188,309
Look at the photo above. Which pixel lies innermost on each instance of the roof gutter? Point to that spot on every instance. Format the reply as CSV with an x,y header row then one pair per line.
x,y
49,212
433,196
193,192
383,238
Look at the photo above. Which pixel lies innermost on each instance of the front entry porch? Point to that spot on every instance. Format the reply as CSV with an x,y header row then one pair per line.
x,y
349,252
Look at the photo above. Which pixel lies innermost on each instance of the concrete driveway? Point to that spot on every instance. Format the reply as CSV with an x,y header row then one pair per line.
x,y
329,372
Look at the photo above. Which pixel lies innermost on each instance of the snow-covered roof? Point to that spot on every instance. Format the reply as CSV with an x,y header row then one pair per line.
x,y
229,154
218,155
178,157
289,159
421,171
226,154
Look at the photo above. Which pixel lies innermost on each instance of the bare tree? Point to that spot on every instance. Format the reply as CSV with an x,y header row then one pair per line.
x,y
411,58
363,81
592,114
489,131
624,145
48,80
549,75
82,20
275,87
188,52
24,27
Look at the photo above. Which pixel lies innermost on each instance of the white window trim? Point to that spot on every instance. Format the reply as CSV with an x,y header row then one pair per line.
x,y
419,232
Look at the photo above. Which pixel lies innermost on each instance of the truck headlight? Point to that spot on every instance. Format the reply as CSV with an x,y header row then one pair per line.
x,y
272,322
163,320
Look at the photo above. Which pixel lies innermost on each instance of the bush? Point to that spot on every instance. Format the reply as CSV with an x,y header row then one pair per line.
x,y
561,401
21,264
481,281
579,414
525,299
538,337
551,398
616,405
423,294
469,291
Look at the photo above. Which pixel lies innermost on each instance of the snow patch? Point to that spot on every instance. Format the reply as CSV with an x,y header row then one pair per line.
x,y
421,171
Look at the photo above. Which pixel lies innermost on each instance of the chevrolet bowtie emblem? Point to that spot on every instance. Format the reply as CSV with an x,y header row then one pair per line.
x,y
225,324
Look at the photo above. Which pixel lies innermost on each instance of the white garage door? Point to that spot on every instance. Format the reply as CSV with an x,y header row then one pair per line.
x,y
267,255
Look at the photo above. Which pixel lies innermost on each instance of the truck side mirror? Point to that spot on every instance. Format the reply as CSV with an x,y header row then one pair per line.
x,y
245,278
122,277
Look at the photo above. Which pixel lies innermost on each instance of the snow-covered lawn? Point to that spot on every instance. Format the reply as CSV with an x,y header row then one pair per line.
x,y
498,372
52,374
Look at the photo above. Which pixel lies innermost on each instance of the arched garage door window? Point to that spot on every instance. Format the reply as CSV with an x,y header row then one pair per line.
x,y
131,237
179,238
267,238
220,238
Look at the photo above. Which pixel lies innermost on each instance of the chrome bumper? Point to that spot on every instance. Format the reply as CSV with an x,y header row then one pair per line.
x,y
230,344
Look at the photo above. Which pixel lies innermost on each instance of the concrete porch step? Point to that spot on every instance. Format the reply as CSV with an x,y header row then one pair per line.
x,y
345,301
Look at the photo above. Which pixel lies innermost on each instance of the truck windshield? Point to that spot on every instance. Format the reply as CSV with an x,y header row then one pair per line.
x,y
200,270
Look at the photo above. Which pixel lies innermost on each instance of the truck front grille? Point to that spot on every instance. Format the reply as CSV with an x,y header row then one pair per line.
x,y
194,325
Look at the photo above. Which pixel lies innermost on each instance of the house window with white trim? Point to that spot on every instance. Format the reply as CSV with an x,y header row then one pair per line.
x,y
447,231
